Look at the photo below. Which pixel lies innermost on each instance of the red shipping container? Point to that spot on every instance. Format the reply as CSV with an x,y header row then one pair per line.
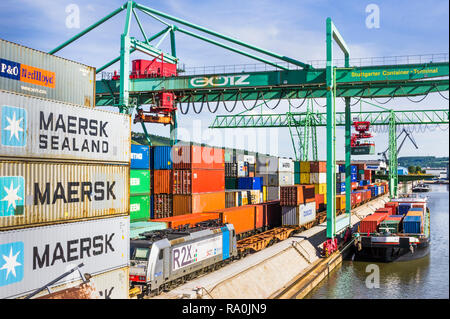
x,y
291,195
308,193
162,181
394,206
259,216
368,174
198,181
385,210
152,68
162,205
200,157
318,167
370,223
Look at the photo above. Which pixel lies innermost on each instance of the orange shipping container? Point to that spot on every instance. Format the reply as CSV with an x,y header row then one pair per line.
x,y
162,181
189,219
242,218
194,156
198,181
198,203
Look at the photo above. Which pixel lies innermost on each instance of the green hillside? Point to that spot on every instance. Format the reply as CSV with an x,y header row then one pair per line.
x,y
423,161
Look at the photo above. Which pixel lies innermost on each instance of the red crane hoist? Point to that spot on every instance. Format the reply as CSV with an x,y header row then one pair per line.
x,y
359,144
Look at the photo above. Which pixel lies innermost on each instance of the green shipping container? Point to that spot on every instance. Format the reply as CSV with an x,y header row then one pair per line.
x,y
229,155
297,169
231,183
139,208
297,178
391,226
139,182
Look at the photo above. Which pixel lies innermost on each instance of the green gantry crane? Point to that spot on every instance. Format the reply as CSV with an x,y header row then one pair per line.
x,y
289,79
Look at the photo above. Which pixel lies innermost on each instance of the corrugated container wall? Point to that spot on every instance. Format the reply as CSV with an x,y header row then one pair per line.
x,y
194,156
58,131
162,157
162,181
140,181
101,245
41,193
266,164
198,203
139,208
229,155
140,157
198,181
32,72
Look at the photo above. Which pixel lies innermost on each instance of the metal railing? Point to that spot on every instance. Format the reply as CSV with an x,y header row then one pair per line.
x,y
262,67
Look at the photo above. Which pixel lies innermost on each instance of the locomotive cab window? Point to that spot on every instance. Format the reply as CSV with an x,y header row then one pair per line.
x,y
140,253
161,254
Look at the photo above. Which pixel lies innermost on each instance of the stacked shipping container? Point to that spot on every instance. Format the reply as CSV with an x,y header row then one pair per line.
x,y
140,183
64,177
163,181
199,179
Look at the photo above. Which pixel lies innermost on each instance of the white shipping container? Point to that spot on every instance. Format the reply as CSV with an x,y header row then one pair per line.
x,y
40,193
285,165
298,215
242,169
249,159
32,72
285,178
31,258
38,128
318,178
112,284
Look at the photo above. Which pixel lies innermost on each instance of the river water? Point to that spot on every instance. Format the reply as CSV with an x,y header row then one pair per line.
x,y
426,278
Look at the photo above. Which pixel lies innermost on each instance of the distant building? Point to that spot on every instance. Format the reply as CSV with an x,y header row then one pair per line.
x,y
402,170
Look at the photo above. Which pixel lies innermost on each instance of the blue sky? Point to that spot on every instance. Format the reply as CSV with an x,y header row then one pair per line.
x,y
292,28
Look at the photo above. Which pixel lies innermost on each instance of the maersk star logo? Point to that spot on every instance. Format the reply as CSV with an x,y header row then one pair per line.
x,y
14,121
12,191
11,263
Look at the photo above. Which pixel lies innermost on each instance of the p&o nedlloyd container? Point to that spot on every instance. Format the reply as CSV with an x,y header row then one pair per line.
x,y
32,72
35,193
36,256
34,128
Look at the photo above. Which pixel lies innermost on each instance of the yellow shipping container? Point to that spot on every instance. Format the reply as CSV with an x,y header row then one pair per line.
x,y
264,193
320,188
304,178
340,202
305,167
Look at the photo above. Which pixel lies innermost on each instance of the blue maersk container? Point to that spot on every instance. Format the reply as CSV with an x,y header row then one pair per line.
x,y
353,177
412,224
403,208
162,157
341,168
354,169
250,183
140,157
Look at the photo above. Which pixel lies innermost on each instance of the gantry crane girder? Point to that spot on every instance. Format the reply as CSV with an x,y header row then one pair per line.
x,y
407,117
363,82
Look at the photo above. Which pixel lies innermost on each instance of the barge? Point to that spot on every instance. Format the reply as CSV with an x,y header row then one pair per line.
x,y
398,232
